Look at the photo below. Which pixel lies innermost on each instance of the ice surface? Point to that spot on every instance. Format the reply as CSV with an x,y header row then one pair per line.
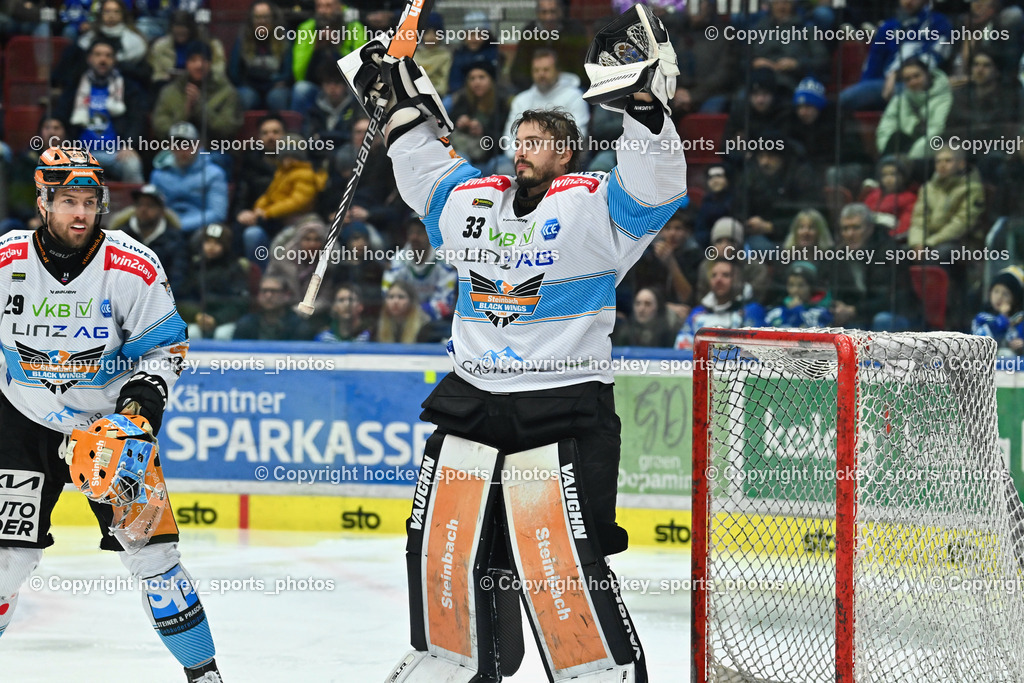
x,y
353,633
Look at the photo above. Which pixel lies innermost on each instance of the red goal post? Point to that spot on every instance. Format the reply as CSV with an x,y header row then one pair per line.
x,y
849,460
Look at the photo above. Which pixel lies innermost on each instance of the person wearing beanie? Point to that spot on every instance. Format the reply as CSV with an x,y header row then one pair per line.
x,y
1003,318
755,111
717,203
434,54
215,293
479,110
805,304
200,96
812,129
150,221
727,237
168,53
476,46
891,198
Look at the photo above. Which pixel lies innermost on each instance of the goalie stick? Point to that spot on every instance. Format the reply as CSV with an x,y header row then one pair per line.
x,y
403,44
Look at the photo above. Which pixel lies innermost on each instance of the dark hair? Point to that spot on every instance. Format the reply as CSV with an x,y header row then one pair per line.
x,y
684,216
104,40
183,18
561,125
542,52
659,300
914,61
353,287
272,115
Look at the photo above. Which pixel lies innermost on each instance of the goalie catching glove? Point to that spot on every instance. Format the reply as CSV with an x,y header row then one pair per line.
x,y
401,85
631,55
115,462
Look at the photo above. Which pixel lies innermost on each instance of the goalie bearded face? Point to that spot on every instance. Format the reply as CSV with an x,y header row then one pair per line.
x,y
546,143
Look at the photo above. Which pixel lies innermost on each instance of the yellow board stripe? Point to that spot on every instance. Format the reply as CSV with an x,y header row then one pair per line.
x,y
646,527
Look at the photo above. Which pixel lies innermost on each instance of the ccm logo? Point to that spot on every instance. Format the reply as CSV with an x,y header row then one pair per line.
x,y
12,253
117,259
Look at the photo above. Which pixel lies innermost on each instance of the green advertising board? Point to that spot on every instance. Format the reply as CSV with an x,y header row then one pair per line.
x,y
657,425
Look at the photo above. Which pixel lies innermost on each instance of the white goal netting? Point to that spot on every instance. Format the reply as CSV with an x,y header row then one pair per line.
x,y
937,550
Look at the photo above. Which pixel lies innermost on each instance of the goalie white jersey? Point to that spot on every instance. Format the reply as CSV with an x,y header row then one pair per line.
x,y
69,348
536,296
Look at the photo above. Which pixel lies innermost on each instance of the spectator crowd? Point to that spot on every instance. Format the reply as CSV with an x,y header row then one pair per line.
x,y
860,183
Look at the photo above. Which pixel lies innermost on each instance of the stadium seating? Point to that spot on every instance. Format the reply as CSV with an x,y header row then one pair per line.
x,y
20,124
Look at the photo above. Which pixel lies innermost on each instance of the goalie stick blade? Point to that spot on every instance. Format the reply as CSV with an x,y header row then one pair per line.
x,y
407,35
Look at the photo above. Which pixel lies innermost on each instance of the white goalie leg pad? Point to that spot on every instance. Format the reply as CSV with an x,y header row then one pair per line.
x,y
15,566
422,666
450,535
581,625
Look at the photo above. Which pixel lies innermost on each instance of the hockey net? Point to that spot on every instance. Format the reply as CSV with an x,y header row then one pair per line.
x,y
854,518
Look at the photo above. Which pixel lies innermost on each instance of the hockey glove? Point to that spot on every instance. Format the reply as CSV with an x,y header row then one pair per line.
x,y
362,70
416,100
144,395
631,55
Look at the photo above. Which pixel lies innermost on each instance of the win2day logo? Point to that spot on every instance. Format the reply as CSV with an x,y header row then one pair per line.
x,y
502,302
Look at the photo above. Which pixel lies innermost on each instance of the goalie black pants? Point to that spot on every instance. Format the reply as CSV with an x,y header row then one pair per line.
x,y
520,421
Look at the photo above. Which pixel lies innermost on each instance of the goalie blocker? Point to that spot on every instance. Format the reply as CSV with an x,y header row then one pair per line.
x,y
487,527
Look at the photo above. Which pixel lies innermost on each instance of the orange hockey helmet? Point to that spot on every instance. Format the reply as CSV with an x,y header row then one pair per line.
x,y
110,459
70,169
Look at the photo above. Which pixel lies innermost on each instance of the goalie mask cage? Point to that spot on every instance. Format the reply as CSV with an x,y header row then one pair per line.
x,y
853,515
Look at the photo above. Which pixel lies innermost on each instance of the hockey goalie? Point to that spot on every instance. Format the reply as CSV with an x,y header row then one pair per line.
x,y
516,493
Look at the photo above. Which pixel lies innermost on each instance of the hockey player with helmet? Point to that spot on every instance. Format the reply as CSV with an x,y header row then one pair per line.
x,y
91,344
517,487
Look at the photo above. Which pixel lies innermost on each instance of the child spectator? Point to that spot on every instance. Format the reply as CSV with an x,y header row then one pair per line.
x,y
476,46
729,303
805,305
717,203
401,318
1003,319
647,325
216,293
891,199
